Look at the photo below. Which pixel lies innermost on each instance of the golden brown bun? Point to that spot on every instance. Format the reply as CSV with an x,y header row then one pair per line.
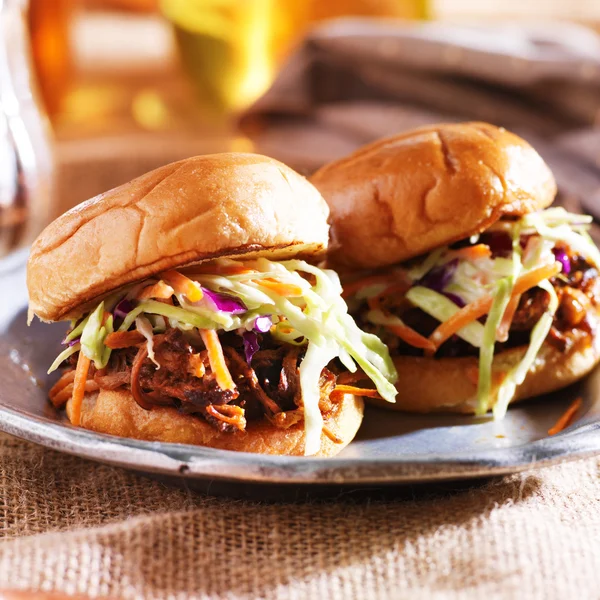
x,y
190,211
442,385
405,195
117,413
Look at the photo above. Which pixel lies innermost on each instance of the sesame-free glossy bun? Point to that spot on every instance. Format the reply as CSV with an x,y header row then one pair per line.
x,y
117,413
405,195
444,384
201,208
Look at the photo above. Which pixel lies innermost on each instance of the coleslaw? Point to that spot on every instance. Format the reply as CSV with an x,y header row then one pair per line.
x,y
473,289
296,302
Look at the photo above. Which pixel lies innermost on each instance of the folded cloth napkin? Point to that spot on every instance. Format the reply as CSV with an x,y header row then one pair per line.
x,y
355,80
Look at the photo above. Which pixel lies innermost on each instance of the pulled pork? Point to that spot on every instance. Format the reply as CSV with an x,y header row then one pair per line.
x,y
268,387
579,297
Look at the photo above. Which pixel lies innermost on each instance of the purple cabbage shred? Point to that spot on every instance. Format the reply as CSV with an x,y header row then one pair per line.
x,y
456,299
251,345
225,302
562,257
263,323
439,277
123,308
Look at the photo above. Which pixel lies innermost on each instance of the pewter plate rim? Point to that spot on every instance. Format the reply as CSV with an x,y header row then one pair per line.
x,y
199,462
376,460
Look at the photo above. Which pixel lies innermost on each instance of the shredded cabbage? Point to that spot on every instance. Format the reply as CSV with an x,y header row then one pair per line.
x,y
144,326
486,352
420,270
93,336
552,226
317,357
474,278
177,314
442,308
76,331
318,319
558,225
517,375
504,287
63,356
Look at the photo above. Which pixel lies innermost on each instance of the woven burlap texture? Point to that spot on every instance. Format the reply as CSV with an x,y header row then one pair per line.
x,y
74,526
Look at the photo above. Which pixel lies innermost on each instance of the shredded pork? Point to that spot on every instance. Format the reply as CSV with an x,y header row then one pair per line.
x,y
579,297
269,387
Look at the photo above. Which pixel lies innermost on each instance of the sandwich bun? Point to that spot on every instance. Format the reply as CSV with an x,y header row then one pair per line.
x,y
442,384
405,195
194,210
117,413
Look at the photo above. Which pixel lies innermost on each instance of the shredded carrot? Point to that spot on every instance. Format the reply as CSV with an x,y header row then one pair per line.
x,y
566,418
197,368
105,316
472,252
123,339
404,332
217,360
184,285
507,318
287,419
352,287
81,373
160,291
350,389
410,336
63,396
65,379
228,413
286,290
482,306
334,438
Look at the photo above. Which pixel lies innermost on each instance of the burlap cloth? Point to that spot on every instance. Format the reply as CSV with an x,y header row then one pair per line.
x,y
75,526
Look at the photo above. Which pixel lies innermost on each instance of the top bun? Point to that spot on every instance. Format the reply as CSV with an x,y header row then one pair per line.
x,y
201,208
405,195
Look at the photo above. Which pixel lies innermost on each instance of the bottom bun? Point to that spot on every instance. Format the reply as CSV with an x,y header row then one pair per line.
x,y
117,413
429,384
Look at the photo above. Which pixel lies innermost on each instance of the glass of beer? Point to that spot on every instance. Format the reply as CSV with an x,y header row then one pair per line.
x,y
232,48
26,162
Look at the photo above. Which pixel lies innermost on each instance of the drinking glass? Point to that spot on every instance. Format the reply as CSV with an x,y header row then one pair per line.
x,y
26,165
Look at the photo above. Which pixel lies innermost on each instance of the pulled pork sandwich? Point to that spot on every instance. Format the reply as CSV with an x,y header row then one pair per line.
x,y
482,296
194,317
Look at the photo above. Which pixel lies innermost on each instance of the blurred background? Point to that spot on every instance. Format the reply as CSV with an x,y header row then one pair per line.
x,y
119,87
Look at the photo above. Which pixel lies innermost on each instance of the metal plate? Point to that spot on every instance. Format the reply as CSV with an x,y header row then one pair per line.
x,y
391,448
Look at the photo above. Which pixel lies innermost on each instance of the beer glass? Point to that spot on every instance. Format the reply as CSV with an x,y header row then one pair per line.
x,y
26,165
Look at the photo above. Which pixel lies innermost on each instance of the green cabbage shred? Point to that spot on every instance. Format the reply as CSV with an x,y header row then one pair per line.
x,y
318,319
552,225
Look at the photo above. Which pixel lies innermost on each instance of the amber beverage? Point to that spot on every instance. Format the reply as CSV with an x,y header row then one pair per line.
x,y
233,48
49,22
26,163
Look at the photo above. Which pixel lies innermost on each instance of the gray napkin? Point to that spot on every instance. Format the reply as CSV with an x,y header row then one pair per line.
x,y
355,80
